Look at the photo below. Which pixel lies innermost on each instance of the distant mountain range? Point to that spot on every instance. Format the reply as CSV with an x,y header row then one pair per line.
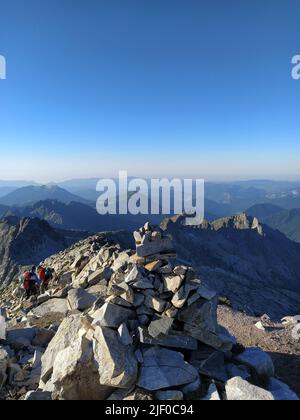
x,y
286,221
71,204
79,216
32,194
255,267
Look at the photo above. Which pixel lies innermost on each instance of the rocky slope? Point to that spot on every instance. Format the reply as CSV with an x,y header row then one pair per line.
x,y
286,221
255,267
124,324
24,242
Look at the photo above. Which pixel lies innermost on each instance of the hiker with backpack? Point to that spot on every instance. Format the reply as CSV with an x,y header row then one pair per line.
x,y
45,276
31,282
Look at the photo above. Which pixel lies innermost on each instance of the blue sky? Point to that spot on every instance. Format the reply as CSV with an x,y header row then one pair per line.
x,y
194,87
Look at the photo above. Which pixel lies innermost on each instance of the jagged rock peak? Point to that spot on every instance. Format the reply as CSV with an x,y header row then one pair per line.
x,y
239,222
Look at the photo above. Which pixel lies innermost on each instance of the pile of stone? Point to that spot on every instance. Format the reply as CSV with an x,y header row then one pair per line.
x,y
126,325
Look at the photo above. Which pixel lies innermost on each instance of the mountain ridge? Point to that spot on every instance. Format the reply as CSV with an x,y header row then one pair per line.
x,y
286,221
255,267
31,194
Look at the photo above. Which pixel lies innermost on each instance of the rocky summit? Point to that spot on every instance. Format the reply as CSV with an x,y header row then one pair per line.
x,y
123,324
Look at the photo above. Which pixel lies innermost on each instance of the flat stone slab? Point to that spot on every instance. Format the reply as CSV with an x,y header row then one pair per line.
x,y
163,369
112,316
52,306
173,340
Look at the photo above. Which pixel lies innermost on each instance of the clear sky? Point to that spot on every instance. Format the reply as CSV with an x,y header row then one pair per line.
x,y
157,87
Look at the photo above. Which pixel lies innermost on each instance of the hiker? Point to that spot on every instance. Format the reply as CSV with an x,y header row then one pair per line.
x,y
31,282
45,275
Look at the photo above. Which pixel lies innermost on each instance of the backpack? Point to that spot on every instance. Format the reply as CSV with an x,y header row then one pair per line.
x,y
48,274
27,279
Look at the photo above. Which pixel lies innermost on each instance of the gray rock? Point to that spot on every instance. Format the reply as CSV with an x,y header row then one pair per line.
x,y
37,360
65,336
280,391
38,396
160,327
121,261
257,360
65,279
217,341
214,367
42,337
147,249
201,314
206,293
21,337
75,375
137,237
4,360
117,364
181,296
135,274
43,298
143,284
169,395
154,303
99,275
237,389
172,283
193,387
2,328
124,335
52,306
164,368
112,316
176,340
79,299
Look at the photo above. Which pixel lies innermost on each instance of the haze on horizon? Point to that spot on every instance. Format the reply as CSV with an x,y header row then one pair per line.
x,y
200,89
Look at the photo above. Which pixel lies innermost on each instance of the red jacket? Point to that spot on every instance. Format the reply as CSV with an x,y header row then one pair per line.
x,y
27,277
42,276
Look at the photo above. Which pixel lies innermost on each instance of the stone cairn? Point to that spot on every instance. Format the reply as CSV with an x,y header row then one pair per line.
x,y
138,326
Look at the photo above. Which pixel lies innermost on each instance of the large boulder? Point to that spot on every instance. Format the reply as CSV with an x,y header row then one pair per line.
x,y
112,316
75,375
100,275
116,362
259,361
79,299
65,336
51,306
162,368
237,389
21,337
